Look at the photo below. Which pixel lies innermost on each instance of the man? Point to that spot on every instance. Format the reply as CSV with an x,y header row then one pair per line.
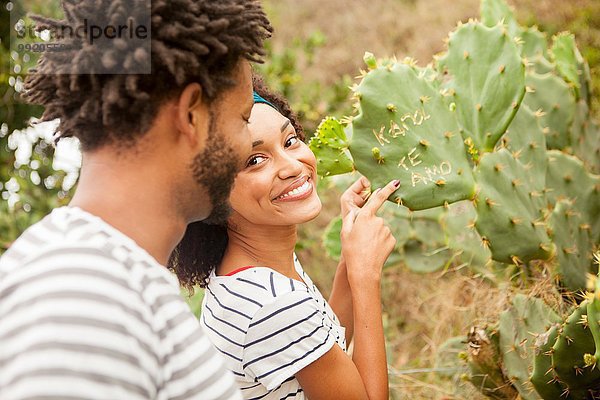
x,y
87,308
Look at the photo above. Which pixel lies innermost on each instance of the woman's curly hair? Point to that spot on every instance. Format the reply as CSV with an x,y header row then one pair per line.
x,y
191,41
202,248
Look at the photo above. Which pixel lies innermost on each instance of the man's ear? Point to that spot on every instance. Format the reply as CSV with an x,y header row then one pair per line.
x,y
192,114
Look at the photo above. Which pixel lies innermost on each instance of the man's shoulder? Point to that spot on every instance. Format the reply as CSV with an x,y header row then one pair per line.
x,y
70,243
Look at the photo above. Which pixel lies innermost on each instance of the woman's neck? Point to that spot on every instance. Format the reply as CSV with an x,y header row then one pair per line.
x,y
260,245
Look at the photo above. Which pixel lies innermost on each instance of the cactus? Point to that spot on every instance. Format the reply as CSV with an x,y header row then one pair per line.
x,y
571,65
406,131
426,251
485,365
519,327
508,215
551,97
329,145
486,81
567,178
574,341
573,245
526,141
584,138
532,42
543,378
593,311
462,237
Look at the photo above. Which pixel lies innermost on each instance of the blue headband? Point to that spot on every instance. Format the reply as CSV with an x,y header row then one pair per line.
x,y
259,99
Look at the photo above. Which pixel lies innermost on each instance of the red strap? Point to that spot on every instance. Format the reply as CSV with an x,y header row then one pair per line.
x,y
235,271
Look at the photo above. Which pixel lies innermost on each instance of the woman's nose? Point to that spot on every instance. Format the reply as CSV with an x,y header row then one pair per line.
x,y
288,166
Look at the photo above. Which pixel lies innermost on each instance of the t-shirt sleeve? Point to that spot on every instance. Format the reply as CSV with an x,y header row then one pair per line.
x,y
285,336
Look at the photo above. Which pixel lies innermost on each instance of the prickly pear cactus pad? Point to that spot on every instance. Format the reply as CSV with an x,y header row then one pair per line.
x,y
405,130
569,62
567,178
526,141
593,310
508,210
486,81
585,138
462,237
571,236
543,377
494,12
573,342
519,327
425,250
329,145
551,97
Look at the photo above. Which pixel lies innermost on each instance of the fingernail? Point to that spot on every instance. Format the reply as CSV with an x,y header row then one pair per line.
x,y
397,182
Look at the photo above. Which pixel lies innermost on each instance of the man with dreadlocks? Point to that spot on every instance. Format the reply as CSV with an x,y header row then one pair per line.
x,y
87,307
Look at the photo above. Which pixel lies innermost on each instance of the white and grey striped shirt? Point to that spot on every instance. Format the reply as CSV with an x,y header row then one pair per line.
x,y
85,313
269,327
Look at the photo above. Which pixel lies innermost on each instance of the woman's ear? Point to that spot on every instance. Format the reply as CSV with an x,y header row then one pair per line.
x,y
193,115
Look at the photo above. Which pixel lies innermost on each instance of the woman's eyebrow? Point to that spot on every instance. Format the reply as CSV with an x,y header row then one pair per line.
x,y
285,125
257,143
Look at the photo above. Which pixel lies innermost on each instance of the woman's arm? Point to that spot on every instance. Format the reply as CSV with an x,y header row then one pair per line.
x,y
366,244
340,300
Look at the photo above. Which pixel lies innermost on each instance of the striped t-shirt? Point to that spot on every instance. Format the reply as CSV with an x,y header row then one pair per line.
x,y
269,327
85,313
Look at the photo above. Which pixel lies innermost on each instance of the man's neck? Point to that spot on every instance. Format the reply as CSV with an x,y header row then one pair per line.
x,y
133,200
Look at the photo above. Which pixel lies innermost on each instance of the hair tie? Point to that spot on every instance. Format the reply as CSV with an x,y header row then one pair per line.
x,y
259,99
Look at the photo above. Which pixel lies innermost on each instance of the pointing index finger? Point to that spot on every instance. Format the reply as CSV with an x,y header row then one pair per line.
x,y
380,196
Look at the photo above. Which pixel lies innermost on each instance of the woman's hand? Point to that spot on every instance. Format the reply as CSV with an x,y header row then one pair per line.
x,y
366,240
355,196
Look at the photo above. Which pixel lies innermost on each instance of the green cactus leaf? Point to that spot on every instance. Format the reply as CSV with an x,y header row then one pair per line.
x,y
573,245
329,145
486,79
525,139
540,65
508,210
463,238
534,43
542,376
574,341
406,131
494,12
585,134
567,178
519,327
553,100
569,62
331,238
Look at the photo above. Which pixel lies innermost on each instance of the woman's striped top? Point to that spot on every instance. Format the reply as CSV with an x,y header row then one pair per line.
x,y
269,327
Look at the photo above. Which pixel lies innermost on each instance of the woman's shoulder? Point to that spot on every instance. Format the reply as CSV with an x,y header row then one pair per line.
x,y
261,284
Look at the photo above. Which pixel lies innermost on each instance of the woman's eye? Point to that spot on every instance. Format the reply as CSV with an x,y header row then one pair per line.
x,y
291,140
254,160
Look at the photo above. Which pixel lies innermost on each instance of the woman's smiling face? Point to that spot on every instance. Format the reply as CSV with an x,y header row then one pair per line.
x,y
277,184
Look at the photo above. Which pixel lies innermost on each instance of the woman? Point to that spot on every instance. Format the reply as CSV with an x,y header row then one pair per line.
x,y
279,336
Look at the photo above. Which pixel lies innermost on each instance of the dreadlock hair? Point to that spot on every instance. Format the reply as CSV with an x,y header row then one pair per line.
x,y
202,248
191,41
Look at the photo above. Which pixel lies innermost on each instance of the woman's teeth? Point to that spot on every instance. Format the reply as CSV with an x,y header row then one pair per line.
x,y
299,190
